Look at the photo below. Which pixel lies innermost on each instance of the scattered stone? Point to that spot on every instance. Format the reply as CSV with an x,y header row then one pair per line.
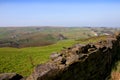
x,y
54,56
82,56
118,37
91,49
44,72
71,59
58,60
63,61
93,46
10,76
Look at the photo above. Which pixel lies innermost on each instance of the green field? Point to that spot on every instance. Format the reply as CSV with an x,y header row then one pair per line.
x,y
23,60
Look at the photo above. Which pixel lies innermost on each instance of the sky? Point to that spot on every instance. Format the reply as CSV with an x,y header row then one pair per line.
x,y
68,13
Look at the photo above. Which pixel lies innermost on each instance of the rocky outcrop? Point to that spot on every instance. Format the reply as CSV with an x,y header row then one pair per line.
x,y
61,37
80,62
10,76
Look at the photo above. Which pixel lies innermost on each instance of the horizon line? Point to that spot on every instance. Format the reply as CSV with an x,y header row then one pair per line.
x,y
60,26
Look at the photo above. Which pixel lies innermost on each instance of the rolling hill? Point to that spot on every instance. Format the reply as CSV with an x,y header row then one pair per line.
x,y
42,36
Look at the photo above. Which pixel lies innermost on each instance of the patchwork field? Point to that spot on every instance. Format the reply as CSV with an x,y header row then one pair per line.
x,y
42,36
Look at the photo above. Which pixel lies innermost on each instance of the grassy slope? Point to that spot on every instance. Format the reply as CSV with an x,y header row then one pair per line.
x,y
21,60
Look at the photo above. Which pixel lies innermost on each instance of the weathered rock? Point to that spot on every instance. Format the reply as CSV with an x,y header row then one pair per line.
x,y
44,72
54,56
118,36
58,60
63,61
10,76
71,59
82,56
91,49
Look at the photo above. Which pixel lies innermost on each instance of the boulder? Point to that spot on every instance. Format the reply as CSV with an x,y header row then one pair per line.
x,y
118,37
44,72
91,49
54,56
10,76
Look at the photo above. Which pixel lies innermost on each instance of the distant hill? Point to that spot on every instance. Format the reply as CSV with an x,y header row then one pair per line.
x,y
41,36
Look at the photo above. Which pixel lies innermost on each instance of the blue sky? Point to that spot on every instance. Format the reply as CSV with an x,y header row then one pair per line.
x,y
101,13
